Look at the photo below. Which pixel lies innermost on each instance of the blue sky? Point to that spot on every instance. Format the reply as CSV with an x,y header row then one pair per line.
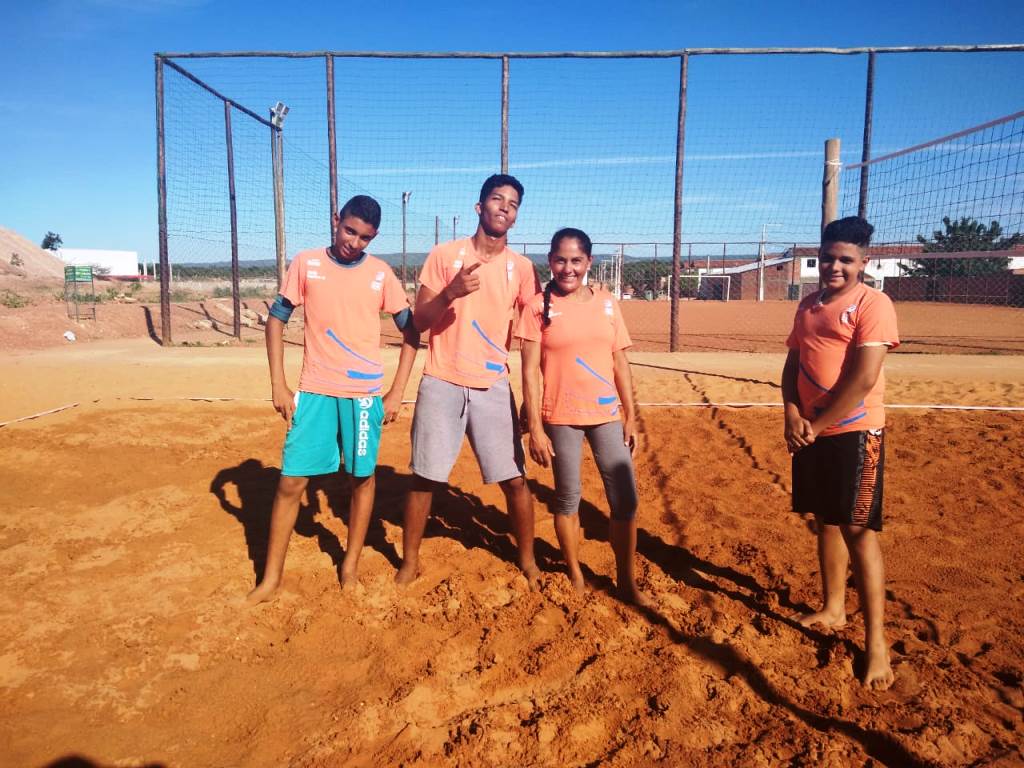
x,y
77,146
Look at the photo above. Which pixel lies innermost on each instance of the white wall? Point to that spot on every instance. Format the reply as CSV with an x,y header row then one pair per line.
x,y
120,263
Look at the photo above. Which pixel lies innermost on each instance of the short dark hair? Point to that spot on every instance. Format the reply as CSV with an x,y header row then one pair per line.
x,y
501,180
362,207
852,229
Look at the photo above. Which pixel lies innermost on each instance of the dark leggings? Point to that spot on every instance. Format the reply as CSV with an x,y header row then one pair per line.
x,y
613,462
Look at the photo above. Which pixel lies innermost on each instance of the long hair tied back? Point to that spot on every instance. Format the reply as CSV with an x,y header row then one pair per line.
x,y
556,240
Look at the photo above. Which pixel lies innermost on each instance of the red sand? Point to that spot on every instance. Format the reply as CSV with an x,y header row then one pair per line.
x,y
132,529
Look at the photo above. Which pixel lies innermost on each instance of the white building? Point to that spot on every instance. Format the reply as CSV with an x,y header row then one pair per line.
x,y
103,262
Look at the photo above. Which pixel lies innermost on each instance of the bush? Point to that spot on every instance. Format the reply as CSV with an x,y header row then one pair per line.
x,y
244,292
181,294
83,298
12,300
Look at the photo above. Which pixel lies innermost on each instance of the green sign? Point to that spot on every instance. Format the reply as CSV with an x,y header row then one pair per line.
x,y
77,274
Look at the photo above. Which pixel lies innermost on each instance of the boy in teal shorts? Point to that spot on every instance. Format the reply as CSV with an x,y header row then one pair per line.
x,y
337,412
832,390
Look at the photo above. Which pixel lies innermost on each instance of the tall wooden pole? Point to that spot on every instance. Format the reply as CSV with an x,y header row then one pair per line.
x,y
236,305
830,184
865,153
332,146
677,212
161,194
504,114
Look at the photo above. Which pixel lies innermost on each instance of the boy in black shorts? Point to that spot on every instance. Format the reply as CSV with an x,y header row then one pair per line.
x,y
832,388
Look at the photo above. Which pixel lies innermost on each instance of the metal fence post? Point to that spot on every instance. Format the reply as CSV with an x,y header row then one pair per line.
x,y
332,146
277,161
161,194
865,152
504,114
677,210
236,307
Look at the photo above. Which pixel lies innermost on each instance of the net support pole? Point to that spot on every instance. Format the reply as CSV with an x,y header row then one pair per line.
x,y
677,206
161,195
277,161
504,114
236,307
332,146
865,153
830,184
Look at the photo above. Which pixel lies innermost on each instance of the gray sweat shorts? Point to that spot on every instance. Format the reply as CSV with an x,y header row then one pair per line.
x,y
445,412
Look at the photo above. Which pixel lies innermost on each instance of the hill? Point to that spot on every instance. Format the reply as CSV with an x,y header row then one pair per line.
x,y
22,258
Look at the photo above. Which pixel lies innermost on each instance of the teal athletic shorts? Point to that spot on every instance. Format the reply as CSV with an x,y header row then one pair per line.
x,y
326,428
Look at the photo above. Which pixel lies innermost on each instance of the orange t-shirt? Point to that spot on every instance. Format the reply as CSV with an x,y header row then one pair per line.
x,y
826,336
469,343
342,313
576,356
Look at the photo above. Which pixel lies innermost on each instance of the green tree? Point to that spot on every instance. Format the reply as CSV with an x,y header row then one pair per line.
x,y
51,241
966,234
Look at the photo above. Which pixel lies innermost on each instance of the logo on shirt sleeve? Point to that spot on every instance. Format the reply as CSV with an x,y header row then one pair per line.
x,y
378,281
846,318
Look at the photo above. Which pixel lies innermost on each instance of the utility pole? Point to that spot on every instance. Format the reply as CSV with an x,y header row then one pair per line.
x,y
455,224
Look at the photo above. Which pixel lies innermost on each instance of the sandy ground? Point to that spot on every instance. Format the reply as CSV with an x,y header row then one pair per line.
x,y
131,528
704,326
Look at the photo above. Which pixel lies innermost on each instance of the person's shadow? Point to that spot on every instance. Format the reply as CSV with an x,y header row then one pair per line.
x,y
455,514
256,484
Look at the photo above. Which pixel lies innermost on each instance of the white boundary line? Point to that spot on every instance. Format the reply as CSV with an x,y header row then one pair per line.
x,y
663,404
38,415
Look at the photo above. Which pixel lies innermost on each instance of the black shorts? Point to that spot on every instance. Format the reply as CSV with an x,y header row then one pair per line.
x,y
839,478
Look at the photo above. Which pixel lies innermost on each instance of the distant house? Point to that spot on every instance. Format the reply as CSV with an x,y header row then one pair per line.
x,y
115,264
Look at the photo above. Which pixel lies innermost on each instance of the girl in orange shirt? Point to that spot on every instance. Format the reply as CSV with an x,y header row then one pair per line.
x,y
574,338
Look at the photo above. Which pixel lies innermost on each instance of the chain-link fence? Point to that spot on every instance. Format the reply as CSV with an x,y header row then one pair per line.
x,y
697,173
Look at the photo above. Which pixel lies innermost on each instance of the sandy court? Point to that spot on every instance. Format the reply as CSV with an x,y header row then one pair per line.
x,y
131,528
750,326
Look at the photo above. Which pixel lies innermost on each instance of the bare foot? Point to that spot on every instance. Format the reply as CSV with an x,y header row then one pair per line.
x,y
632,595
407,574
831,619
878,673
349,579
532,574
578,582
264,591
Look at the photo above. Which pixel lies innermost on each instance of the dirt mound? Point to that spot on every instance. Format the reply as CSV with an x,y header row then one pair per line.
x,y
19,256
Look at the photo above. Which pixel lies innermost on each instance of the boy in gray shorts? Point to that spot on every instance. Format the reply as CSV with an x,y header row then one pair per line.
x,y
470,290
